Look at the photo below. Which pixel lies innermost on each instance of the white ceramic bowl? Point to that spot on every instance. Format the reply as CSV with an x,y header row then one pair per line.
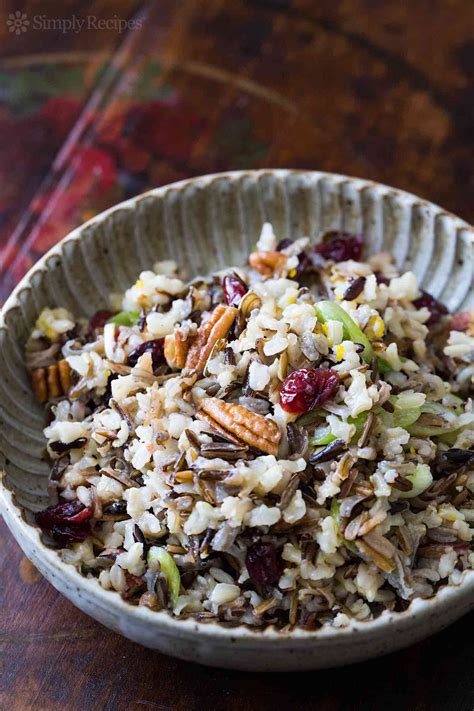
x,y
206,223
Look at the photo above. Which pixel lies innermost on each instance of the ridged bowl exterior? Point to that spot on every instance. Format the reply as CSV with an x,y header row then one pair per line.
x,y
205,224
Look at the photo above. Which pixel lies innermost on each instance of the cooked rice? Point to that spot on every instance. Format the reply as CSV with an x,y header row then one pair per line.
x,y
259,534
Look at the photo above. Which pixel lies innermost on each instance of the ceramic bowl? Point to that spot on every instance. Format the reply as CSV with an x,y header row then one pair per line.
x,y
207,223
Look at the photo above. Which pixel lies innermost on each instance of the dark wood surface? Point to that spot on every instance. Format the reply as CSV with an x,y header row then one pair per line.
x,y
383,90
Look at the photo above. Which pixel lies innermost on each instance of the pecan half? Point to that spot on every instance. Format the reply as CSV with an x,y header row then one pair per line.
x,y
201,415
267,263
51,382
241,425
176,349
217,326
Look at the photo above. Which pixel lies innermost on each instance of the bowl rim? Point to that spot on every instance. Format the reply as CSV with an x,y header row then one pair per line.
x,y
29,535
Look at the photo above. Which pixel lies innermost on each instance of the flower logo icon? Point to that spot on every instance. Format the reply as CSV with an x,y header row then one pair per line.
x,y
17,22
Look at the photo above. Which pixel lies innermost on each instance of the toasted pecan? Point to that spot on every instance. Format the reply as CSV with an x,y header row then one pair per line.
x,y
242,424
267,263
40,384
217,326
201,415
51,382
65,376
176,349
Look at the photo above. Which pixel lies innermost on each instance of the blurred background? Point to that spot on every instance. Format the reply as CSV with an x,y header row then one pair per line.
x,y
102,100
99,101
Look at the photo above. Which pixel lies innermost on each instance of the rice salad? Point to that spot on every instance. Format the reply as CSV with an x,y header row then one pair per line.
x,y
289,443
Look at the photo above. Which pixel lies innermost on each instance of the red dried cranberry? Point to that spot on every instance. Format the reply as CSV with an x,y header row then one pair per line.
x,y
155,347
435,307
69,512
234,289
462,321
263,564
70,534
339,247
307,388
99,319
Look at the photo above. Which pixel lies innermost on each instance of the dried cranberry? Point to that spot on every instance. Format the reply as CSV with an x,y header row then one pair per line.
x,y
462,321
307,388
70,534
155,348
99,319
263,564
234,289
435,307
69,512
62,447
340,246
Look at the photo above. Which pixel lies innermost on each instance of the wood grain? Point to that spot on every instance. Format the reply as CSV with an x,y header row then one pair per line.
x,y
378,89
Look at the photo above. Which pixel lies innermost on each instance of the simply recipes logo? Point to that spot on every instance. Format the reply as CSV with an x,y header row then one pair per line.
x,y
18,22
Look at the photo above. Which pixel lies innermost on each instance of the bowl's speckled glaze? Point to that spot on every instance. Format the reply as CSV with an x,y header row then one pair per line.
x,y
207,223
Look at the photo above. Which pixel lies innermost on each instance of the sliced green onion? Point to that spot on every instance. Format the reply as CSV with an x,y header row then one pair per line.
x,y
449,438
168,568
322,436
359,421
385,367
421,479
420,429
330,311
309,417
334,511
125,318
399,417
458,404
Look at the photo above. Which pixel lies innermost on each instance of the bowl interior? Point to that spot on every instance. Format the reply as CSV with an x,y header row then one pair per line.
x,y
206,224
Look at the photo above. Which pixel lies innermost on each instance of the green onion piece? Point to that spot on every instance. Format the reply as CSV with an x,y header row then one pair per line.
x,y
426,430
359,422
168,568
384,367
458,404
125,318
449,438
406,418
309,417
330,311
421,479
434,408
323,436
399,417
334,511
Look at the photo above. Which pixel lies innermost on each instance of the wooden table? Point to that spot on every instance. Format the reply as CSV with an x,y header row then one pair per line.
x,y
378,89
